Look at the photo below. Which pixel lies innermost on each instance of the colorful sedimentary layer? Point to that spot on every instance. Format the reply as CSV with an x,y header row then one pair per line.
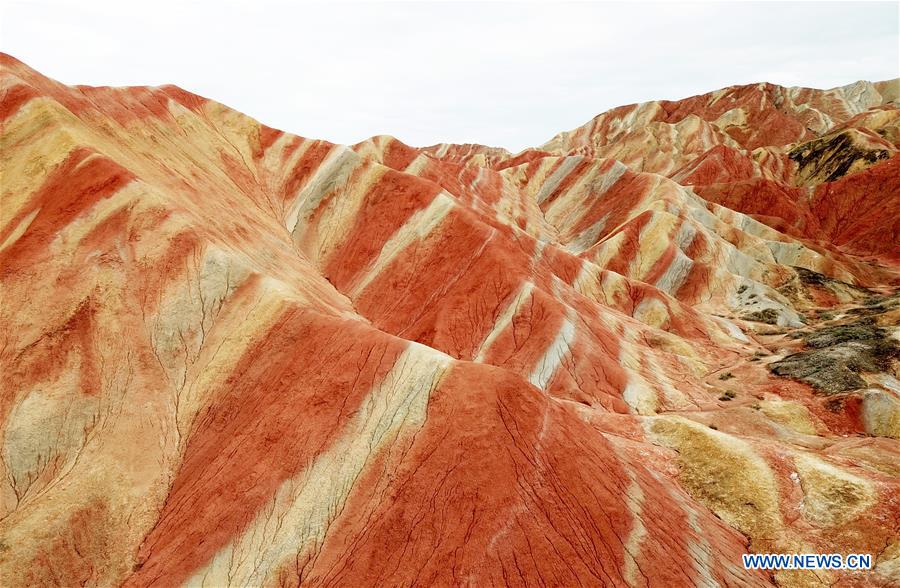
x,y
235,356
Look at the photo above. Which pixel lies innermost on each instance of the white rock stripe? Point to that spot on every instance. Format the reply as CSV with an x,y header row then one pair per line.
x,y
416,227
335,168
298,516
556,178
551,359
504,320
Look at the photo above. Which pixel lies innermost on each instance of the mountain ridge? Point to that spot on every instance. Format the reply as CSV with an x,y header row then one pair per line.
x,y
377,364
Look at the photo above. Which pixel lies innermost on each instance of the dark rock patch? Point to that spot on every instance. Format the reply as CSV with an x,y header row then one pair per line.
x,y
768,316
838,354
832,157
877,305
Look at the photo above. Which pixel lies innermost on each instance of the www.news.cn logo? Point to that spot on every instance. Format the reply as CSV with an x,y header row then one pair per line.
x,y
807,561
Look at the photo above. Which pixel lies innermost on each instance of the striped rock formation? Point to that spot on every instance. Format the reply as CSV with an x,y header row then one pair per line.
x,y
233,356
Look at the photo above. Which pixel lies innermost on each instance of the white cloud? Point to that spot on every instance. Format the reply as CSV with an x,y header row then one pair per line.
x,y
510,74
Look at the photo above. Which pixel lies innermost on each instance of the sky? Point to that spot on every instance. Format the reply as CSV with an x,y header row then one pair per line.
x,y
505,74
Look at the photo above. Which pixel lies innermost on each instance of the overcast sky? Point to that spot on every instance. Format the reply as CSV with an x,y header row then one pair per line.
x,y
505,74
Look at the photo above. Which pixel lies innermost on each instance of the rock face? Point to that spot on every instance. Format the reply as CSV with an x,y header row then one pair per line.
x,y
235,356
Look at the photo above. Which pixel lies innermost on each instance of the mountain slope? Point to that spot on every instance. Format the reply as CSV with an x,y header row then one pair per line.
x,y
235,356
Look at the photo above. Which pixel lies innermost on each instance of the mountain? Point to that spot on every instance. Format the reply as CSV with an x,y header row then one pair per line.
x,y
236,356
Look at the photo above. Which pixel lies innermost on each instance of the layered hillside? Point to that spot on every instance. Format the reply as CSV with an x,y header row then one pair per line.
x,y
233,356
